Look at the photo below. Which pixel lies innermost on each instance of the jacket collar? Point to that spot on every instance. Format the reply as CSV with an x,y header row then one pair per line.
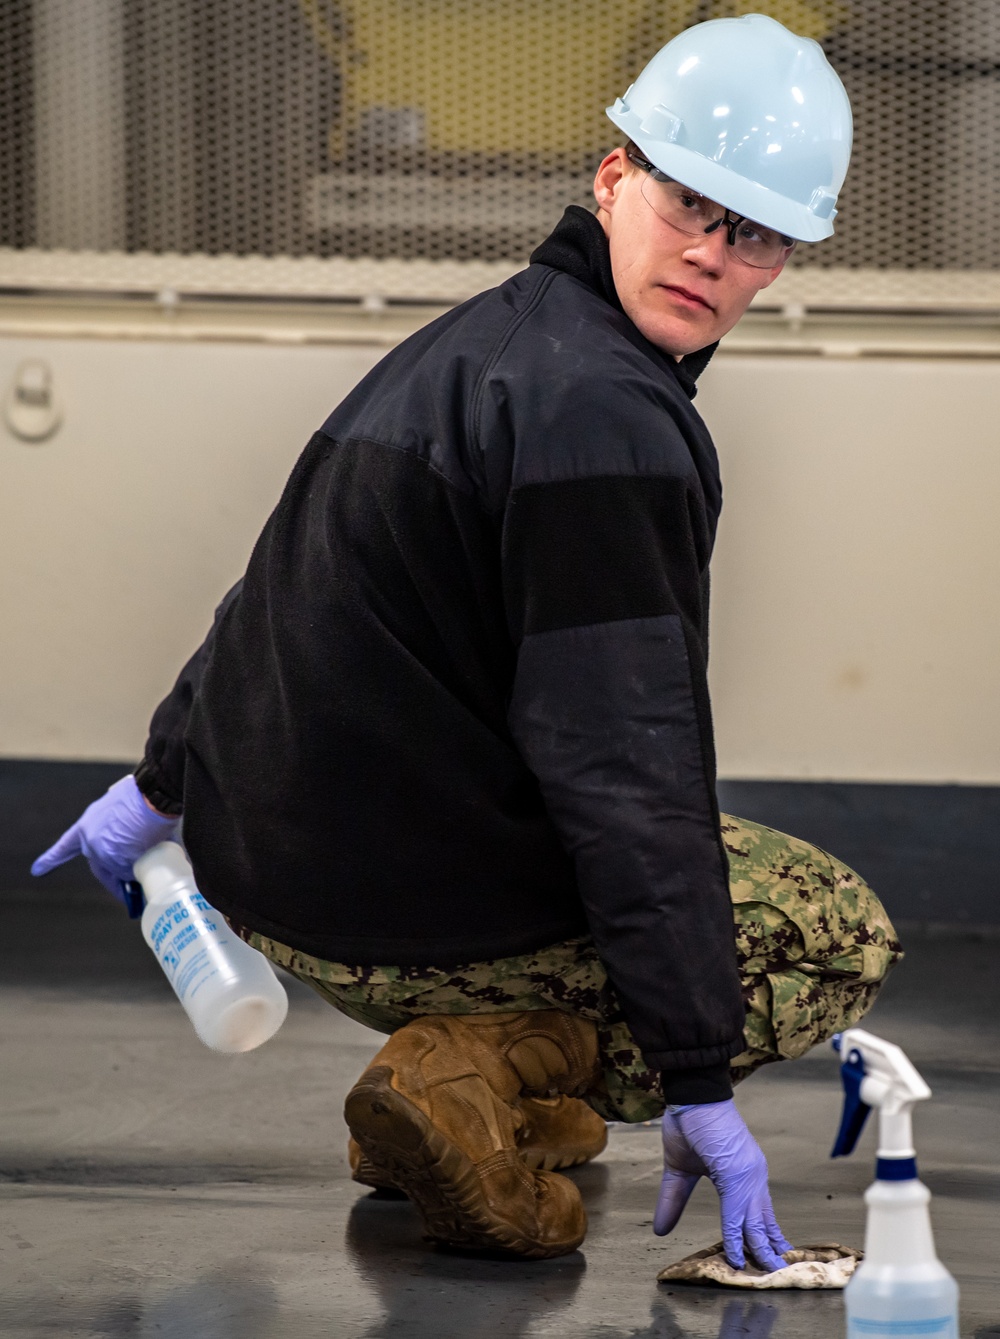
x,y
579,247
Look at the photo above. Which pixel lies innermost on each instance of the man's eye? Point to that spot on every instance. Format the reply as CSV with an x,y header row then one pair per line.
x,y
692,202
752,233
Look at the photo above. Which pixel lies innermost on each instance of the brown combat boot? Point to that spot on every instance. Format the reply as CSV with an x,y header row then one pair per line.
x,y
559,1132
555,1132
437,1114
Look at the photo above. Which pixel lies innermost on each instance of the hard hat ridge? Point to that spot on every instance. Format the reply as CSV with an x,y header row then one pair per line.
x,y
749,114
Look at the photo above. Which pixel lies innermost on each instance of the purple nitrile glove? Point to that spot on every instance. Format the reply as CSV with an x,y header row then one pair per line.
x,y
712,1140
112,833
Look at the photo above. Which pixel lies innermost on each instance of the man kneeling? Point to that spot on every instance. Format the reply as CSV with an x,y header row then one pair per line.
x,y
454,723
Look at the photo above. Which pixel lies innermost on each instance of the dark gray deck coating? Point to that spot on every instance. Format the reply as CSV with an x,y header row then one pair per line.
x,y
151,1188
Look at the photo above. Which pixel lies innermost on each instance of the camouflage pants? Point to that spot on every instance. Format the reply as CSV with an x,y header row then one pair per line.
x,y
814,946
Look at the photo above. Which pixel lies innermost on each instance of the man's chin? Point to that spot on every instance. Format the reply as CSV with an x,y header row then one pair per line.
x,y
676,344
675,335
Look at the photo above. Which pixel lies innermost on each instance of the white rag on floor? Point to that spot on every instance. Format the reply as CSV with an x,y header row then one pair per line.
x,y
827,1265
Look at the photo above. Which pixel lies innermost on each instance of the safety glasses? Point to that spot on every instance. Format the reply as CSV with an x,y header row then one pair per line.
x,y
691,213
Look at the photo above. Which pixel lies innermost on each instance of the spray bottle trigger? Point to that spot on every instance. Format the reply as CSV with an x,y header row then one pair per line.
x,y
134,900
852,1121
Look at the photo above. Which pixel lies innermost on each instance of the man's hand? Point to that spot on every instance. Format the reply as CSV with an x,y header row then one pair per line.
x,y
112,833
712,1140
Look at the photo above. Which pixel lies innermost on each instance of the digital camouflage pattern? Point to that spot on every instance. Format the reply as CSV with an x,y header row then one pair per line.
x,y
814,945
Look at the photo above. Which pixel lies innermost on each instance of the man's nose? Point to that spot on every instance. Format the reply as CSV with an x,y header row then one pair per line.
x,y
709,250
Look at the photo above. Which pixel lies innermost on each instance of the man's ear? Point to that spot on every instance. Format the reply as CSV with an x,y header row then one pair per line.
x,y
609,178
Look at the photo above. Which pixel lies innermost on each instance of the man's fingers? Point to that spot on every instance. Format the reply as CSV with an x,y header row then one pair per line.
x,y
732,1242
65,849
675,1191
761,1250
774,1233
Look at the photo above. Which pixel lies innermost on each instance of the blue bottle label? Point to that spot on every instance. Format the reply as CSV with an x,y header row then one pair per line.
x,y
941,1327
180,937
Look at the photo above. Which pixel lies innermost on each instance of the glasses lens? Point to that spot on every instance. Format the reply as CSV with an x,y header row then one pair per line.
x,y
759,246
692,213
683,208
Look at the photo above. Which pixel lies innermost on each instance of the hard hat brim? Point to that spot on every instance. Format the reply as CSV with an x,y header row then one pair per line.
x,y
728,188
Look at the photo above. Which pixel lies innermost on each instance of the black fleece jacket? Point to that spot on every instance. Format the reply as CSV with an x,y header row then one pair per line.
x,y
457,709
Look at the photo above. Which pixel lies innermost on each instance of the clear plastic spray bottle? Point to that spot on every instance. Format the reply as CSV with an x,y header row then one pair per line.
x,y
227,988
901,1288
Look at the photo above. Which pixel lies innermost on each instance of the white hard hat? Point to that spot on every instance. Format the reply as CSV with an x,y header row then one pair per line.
x,y
748,114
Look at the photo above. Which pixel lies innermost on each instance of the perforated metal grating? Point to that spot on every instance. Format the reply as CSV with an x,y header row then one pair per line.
x,y
446,129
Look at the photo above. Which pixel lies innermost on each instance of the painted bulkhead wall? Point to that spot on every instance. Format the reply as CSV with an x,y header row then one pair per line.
x,y
855,627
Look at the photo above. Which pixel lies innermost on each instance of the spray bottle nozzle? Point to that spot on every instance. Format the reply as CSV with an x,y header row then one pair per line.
x,y
135,903
901,1285
875,1073
855,1113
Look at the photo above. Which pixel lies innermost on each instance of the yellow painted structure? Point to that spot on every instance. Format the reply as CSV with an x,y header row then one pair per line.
x,y
510,77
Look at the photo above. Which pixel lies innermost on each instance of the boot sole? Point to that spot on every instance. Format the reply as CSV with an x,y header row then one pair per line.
x,y
411,1154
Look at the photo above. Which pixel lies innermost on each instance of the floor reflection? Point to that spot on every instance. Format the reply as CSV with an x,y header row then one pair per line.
x,y
430,1293
214,1308
716,1313
220,1305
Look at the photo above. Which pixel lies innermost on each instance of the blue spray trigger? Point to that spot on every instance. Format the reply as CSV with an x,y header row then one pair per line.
x,y
852,1121
134,899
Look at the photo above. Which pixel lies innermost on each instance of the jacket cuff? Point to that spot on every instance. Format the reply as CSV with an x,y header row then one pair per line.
x,y
150,785
696,1087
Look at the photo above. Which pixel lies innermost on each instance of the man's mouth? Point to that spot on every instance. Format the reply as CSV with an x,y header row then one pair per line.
x,y
695,299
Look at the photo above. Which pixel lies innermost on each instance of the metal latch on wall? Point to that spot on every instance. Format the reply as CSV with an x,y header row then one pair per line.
x,y
30,408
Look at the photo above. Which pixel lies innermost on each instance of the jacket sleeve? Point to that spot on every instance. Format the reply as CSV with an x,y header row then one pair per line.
x,y
160,775
604,586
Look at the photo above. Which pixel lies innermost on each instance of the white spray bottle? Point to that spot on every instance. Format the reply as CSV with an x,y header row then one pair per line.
x,y
901,1288
228,989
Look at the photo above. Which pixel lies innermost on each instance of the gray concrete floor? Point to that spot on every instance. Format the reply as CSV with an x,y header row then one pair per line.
x,y
151,1188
